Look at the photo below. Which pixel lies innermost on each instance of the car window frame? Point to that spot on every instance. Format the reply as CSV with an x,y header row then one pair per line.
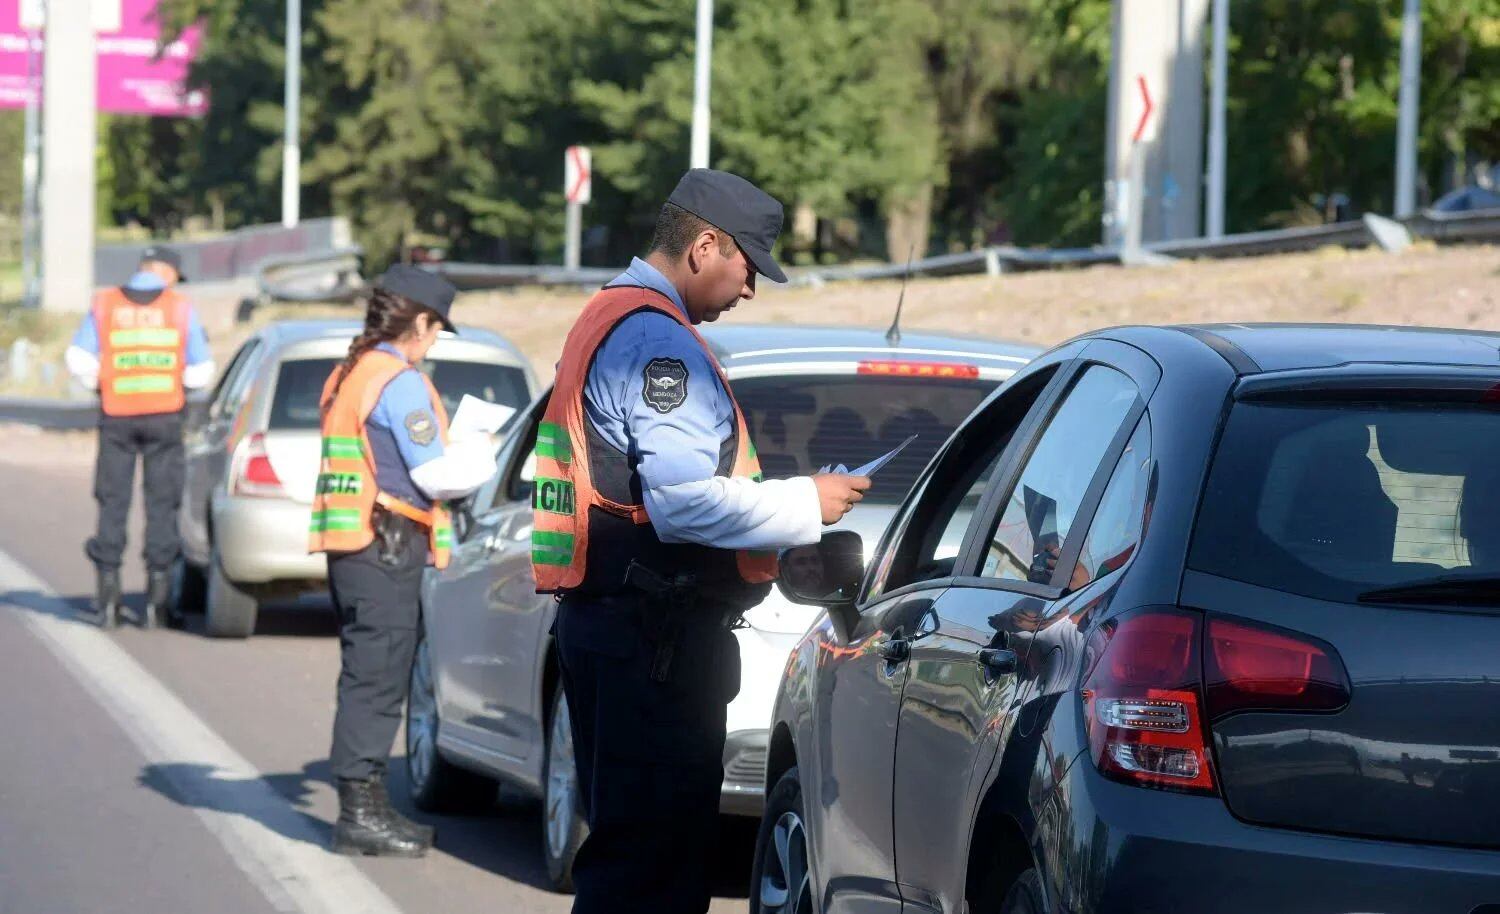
x,y
220,397
237,391
1145,374
1059,364
1093,503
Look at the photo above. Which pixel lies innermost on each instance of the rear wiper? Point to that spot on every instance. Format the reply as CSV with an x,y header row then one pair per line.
x,y
1450,589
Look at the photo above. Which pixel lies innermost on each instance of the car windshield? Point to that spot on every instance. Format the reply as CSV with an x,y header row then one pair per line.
x,y
300,382
800,423
1335,501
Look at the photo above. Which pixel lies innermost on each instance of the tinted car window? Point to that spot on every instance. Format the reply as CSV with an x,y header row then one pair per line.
x,y
801,423
299,384
1040,509
1116,528
1332,500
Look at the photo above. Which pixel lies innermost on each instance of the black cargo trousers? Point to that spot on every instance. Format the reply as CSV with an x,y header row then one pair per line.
x,y
650,754
379,607
157,440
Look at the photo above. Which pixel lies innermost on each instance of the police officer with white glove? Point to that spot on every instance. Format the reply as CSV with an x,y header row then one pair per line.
x,y
387,466
659,534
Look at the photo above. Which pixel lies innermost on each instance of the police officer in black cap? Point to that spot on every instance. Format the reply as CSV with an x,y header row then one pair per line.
x,y
657,535
387,467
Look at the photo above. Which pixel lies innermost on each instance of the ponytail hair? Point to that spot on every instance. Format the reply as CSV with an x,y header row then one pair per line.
x,y
388,318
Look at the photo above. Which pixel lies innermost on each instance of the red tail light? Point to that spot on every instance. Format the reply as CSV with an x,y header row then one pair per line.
x,y
256,477
1142,699
908,369
1251,667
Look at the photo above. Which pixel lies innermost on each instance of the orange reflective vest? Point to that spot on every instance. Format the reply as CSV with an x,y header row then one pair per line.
x,y
347,494
587,526
142,349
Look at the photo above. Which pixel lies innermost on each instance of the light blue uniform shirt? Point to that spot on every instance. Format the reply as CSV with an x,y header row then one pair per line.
x,y
87,336
403,433
681,444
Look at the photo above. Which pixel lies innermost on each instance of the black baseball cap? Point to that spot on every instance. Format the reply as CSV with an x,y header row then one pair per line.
x,y
426,289
159,253
729,202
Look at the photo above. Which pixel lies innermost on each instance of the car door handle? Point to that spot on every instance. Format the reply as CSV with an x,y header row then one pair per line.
x,y
997,661
896,650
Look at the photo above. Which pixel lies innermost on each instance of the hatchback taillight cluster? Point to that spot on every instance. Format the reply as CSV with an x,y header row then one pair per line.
x,y
1158,678
254,475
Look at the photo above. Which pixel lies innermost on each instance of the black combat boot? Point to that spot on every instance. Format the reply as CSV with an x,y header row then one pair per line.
x,y
423,833
107,603
158,598
366,825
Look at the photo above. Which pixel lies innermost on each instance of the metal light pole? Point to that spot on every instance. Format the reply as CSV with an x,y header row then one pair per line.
x,y
702,64
1406,119
291,147
1217,130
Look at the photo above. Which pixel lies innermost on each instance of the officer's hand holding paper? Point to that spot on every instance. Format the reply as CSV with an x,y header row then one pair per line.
x,y
840,489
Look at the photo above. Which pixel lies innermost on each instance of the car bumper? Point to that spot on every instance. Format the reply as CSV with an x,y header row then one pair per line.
x,y
762,661
261,540
1122,848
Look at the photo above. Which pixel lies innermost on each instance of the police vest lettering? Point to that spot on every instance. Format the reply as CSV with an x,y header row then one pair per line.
x,y
568,493
346,493
142,348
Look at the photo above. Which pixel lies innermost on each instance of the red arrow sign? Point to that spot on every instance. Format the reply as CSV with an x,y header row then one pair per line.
x,y
580,174
1140,128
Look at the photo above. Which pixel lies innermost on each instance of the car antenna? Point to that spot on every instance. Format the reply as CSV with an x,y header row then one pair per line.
x,y
893,335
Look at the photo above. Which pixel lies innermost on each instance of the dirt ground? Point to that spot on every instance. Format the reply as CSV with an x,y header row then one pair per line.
x,y
1426,285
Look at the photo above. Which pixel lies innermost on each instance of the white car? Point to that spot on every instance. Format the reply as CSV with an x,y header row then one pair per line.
x,y
252,462
486,702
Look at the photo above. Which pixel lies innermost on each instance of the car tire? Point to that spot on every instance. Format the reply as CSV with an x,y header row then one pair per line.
x,y
563,826
436,784
230,612
781,877
1025,895
189,587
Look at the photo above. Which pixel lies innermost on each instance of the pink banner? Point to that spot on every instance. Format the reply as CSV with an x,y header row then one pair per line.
x,y
136,75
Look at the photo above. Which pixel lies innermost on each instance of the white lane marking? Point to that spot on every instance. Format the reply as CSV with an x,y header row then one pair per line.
x,y
282,852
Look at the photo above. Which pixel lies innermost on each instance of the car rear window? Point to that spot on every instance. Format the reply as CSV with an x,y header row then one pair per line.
x,y
1332,500
800,423
300,382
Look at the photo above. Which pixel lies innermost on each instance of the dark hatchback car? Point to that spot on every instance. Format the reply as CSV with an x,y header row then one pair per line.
x,y
1222,634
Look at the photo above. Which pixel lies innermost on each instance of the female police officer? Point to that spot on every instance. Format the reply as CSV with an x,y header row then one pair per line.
x,y
386,467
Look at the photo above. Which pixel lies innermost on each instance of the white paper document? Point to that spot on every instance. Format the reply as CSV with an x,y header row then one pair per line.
x,y
476,417
874,466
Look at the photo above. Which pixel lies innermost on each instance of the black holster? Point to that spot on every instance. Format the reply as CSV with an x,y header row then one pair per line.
x,y
392,534
672,598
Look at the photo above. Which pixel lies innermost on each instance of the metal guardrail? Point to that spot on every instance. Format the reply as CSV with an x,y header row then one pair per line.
x,y
72,415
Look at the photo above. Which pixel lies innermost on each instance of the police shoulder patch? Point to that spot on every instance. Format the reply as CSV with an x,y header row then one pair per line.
x,y
666,384
421,427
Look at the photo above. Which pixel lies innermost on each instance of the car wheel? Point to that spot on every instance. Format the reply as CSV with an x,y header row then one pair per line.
x,y
189,587
1025,895
230,611
781,880
437,785
563,827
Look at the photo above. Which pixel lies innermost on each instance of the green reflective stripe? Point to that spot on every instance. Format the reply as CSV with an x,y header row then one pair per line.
x,y
154,336
552,440
548,548
337,519
126,361
444,538
345,448
340,483
145,384
555,496
751,446
757,476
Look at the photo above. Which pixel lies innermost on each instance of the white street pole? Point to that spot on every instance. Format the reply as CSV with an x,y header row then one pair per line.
x,y
1406,119
69,137
291,147
702,65
573,244
1217,130
31,173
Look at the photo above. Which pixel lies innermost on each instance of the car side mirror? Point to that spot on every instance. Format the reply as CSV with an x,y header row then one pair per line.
x,y
462,513
827,573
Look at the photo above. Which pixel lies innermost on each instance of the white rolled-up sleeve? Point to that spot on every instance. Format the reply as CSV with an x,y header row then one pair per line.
x,y
199,375
462,469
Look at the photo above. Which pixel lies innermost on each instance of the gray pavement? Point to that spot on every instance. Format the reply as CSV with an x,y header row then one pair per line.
x,y
205,787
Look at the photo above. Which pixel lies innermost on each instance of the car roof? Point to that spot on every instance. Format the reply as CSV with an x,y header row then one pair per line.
x,y
286,333
741,345
1286,347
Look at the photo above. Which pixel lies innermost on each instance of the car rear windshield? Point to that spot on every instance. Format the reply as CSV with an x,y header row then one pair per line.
x,y
300,382
1334,500
800,423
